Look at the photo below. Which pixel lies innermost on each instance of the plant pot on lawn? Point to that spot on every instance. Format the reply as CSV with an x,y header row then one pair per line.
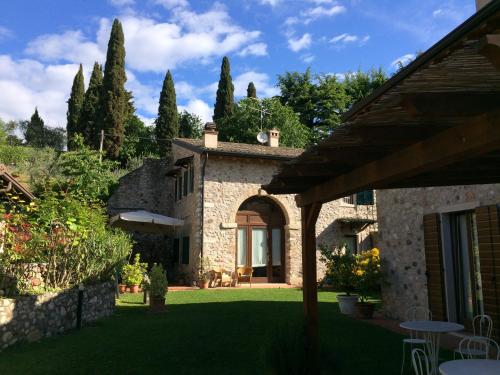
x,y
365,310
347,303
204,272
158,287
122,288
133,274
134,288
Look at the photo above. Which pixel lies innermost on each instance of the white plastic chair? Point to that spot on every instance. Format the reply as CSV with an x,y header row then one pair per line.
x,y
415,313
420,362
477,347
482,326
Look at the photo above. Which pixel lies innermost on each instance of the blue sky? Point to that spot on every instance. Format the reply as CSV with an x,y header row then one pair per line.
x,y
42,42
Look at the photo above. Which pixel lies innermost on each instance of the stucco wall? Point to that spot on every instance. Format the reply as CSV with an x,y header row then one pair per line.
x,y
401,237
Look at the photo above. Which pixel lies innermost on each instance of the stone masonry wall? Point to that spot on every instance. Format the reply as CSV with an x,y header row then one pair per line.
x,y
401,236
29,318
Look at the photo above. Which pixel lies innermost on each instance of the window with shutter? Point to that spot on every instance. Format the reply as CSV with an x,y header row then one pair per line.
x,y
364,198
488,230
185,183
434,264
185,250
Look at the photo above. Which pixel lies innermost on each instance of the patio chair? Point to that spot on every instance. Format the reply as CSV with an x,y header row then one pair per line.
x,y
245,273
415,313
222,276
482,326
477,347
420,362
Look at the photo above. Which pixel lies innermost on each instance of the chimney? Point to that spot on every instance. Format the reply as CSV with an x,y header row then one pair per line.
x,y
481,3
210,135
274,138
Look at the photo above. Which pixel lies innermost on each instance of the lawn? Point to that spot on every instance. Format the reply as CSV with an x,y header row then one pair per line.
x,y
205,332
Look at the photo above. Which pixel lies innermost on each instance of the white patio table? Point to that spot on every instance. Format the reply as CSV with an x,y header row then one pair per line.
x,y
432,330
470,366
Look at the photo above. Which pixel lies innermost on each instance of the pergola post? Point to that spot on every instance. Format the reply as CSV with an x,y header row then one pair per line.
x,y
310,215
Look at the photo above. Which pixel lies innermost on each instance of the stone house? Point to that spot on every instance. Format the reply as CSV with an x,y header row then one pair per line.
x,y
233,222
438,244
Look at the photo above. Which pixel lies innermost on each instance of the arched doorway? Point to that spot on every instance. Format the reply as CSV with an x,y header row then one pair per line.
x,y
260,239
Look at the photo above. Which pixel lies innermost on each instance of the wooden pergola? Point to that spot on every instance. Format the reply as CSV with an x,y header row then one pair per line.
x,y
435,123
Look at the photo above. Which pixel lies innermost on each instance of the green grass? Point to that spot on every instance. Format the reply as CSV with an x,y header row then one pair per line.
x,y
205,332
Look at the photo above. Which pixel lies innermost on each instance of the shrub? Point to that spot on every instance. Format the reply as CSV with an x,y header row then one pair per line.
x,y
158,284
368,274
133,274
340,268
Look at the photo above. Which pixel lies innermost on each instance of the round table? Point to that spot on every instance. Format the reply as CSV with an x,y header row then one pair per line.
x,y
470,366
432,330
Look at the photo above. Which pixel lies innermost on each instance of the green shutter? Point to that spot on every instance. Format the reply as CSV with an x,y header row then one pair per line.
x,y
185,250
364,198
175,250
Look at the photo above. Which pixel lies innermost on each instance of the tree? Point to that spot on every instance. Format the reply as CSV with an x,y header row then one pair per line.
x,y
245,123
88,117
359,85
167,122
7,133
113,101
190,126
34,130
297,92
139,140
224,101
75,103
251,91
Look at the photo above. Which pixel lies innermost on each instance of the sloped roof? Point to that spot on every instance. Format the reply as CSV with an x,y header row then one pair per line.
x,y
244,150
16,185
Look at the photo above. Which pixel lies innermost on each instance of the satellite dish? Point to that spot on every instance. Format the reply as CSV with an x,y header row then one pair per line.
x,y
262,137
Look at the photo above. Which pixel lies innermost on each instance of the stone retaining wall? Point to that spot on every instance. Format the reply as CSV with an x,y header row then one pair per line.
x,y
29,318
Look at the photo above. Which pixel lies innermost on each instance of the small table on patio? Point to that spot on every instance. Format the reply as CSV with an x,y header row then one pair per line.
x,y
432,330
470,366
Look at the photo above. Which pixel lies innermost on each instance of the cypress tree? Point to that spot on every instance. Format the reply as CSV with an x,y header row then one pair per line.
x,y
167,123
251,91
88,117
75,103
113,101
34,132
225,98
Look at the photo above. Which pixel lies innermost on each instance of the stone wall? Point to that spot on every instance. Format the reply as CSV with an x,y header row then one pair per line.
x,y
29,318
401,237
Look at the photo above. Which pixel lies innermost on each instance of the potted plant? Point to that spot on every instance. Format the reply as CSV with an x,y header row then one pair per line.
x,y
368,279
158,288
204,272
340,266
133,274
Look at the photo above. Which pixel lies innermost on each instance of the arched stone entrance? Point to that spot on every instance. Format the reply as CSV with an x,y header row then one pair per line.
x,y
260,240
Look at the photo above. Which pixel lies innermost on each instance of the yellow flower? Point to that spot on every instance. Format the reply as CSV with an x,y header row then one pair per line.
x,y
375,252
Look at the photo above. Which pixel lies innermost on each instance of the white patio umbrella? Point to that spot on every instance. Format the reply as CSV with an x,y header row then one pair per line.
x,y
145,221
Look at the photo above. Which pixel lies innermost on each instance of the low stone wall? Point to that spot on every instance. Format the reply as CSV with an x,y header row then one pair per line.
x,y
29,318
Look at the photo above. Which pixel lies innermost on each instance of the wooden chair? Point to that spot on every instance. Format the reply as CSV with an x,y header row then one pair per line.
x,y
245,273
222,276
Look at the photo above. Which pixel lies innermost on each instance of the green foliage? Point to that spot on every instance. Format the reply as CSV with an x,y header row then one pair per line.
x,y
190,126
89,115
139,141
133,274
158,286
36,134
75,104
204,269
244,124
368,273
80,173
114,98
340,268
7,133
167,123
359,85
251,91
224,100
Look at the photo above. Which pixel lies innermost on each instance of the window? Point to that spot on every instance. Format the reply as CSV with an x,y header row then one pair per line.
x,y
364,198
185,183
175,251
349,199
178,189
185,250
351,244
191,178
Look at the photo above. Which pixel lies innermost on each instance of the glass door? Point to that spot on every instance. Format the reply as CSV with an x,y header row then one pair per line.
x,y
259,251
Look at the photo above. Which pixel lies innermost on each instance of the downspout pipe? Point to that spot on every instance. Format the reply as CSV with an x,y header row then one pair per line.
x,y
202,199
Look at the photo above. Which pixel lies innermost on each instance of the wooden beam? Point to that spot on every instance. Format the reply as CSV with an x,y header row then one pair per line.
x,y
449,103
474,138
310,215
489,47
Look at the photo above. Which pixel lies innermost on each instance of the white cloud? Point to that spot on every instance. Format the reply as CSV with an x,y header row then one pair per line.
x,y
312,14
260,80
170,4
297,44
404,60
199,108
26,84
348,38
272,3
308,58
256,49
121,3
5,33
71,46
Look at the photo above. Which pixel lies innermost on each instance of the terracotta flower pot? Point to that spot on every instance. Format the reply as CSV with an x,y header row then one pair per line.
x,y
365,310
157,304
204,284
122,288
134,289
